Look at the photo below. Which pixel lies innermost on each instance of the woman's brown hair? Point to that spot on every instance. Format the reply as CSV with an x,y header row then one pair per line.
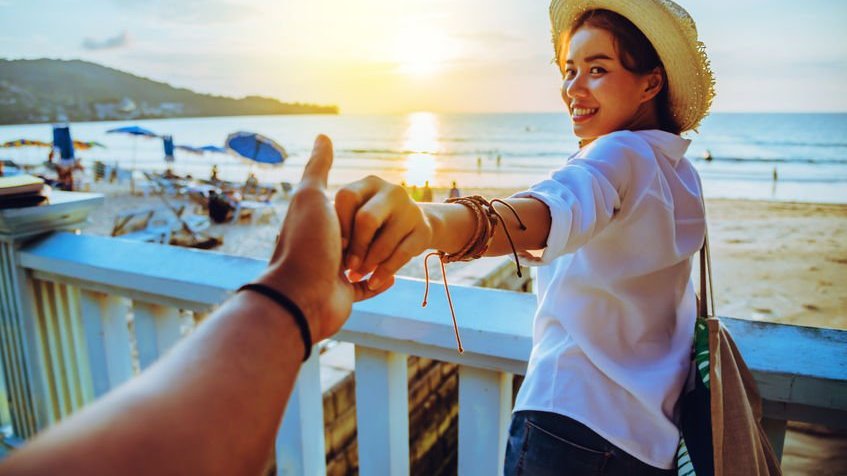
x,y
637,55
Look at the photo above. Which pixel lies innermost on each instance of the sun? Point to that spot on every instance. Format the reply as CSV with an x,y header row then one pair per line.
x,y
422,51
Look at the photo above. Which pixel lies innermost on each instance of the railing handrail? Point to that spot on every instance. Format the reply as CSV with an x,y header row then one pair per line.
x,y
793,364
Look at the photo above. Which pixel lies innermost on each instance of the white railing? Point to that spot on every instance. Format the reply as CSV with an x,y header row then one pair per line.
x,y
73,344
84,287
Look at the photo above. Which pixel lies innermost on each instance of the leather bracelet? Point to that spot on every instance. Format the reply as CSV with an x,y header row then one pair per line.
x,y
284,302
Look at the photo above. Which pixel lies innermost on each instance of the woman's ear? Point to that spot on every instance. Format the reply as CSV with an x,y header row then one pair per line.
x,y
654,81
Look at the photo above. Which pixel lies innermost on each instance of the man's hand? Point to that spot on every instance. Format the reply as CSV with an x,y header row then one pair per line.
x,y
236,371
306,264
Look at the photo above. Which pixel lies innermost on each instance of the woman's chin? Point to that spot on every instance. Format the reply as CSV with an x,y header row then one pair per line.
x,y
583,133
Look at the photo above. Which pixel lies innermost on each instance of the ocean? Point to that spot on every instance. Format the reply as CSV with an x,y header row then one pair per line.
x,y
782,157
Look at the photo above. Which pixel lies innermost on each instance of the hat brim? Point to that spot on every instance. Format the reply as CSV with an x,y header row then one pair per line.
x,y
672,32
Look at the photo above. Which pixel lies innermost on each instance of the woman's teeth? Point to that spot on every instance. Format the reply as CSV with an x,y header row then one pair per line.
x,y
577,112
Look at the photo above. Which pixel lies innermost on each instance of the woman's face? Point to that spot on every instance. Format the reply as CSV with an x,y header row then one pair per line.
x,y
601,95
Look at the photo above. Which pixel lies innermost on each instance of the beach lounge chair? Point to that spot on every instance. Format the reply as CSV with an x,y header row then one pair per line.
x,y
113,173
146,188
158,229
164,185
132,220
195,222
166,226
10,168
253,209
257,192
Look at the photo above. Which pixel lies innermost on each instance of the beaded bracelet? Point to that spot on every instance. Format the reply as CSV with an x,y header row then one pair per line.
x,y
284,302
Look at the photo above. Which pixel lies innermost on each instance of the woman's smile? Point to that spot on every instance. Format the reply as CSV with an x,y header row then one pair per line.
x,y
582,114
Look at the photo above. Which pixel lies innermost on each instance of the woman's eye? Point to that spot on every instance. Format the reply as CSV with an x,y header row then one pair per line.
x,y
569,73
597,70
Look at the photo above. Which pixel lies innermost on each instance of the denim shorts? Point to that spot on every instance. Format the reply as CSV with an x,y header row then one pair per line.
x,y
542,443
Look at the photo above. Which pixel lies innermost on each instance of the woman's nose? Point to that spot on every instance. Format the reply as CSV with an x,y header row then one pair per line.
x,y
574,88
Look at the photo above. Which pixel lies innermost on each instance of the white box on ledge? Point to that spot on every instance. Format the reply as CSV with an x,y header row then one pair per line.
x,y
66,210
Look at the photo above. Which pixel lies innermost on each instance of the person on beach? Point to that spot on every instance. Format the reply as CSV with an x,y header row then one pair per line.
x,y
426,193
213,403
613,232
454,191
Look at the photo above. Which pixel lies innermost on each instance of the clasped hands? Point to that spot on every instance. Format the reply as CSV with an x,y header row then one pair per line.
x,y
323,252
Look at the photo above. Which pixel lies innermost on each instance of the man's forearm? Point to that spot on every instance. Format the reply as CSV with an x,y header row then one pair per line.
x,y
191,412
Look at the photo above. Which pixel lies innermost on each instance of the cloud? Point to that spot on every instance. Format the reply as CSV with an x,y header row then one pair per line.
x,y
118,41
192,12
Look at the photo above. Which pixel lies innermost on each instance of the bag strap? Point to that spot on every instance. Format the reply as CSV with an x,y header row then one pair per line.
x,y
704,307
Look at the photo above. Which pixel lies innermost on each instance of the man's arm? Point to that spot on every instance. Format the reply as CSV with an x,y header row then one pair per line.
x,y
212,405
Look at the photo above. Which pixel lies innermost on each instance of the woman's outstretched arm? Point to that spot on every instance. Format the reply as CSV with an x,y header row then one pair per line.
x,y
453,226
383,228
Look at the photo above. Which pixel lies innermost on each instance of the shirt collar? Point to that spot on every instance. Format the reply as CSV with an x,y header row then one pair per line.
x,y
672,145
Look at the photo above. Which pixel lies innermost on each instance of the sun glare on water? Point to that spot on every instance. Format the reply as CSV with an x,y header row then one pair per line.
x,y
421,142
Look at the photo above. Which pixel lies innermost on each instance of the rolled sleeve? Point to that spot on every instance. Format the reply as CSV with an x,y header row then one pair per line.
x,y
560,224
583,196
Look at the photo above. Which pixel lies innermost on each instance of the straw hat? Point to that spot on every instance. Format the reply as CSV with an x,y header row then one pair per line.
x,y
691,85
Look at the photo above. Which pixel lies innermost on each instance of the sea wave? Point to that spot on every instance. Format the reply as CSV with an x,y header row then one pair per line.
x,y
471,154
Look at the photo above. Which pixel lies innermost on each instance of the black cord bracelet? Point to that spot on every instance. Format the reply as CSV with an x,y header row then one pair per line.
x,y
289,306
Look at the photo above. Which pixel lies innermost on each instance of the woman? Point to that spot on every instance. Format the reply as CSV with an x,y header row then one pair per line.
x,y
613,231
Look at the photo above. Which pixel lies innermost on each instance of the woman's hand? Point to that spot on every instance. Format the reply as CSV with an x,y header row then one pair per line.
x,y
381,229
307,262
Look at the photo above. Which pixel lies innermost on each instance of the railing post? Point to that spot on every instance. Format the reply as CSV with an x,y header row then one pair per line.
x,y
66,382
157,329
300,440
485,404
382,411
23,369
107,335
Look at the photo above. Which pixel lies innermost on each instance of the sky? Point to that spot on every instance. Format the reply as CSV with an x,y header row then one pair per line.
x,y
382,56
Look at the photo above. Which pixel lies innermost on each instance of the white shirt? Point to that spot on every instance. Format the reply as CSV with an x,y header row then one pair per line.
x,y
615,320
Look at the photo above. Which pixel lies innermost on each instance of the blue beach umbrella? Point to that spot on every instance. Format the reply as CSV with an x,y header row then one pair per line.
x,y
213,148
188,148
256,147
133,130
25,143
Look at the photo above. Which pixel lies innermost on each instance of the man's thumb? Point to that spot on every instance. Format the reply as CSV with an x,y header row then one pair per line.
x,y
317,169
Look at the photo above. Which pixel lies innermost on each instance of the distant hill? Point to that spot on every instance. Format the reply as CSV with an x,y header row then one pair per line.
x,y
46,90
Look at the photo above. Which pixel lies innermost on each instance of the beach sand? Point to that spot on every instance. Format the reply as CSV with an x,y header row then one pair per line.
x,y
779,262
